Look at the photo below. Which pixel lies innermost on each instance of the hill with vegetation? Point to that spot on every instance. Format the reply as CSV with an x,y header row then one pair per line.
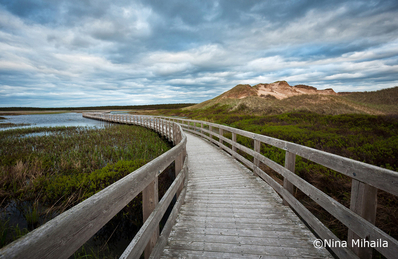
x,y
361,126
279,97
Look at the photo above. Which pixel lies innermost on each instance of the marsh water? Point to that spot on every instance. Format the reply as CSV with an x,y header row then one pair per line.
x,y
48,120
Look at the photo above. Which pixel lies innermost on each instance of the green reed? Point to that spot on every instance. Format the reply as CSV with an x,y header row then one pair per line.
x,y
51,173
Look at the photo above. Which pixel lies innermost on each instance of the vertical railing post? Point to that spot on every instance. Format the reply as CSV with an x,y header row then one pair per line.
x,y
171,130
167,130
201,127
257,148
290,164
150,199
170,136
364,203
174,134
234,141
221,133
179,161
211,131
164,128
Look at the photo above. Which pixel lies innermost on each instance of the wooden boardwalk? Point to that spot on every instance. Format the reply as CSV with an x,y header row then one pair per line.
x,y
230,213
226,212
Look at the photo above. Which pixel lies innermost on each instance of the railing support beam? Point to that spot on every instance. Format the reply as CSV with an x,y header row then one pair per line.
x,y
234,140
364,203
221,132
257,148
290,164
150,199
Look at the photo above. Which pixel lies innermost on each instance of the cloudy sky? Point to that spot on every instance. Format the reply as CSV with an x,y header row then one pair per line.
x,y
68,53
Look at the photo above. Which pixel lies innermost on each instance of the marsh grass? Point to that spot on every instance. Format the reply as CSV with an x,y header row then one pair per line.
x,y
46,175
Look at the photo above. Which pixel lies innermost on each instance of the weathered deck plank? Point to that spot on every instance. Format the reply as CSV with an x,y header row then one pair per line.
x,y
230,213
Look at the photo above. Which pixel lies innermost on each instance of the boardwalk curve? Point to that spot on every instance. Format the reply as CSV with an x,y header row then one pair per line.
x,y
227,210
230,213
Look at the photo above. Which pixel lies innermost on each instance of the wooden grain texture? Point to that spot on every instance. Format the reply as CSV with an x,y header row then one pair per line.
x,y
228,212
162,241
322,231
137,245
364,203
233,140
354,222
257,148
221,133
290,164
150,197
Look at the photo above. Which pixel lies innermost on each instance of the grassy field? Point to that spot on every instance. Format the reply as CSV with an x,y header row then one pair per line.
x,y
44,171
368,138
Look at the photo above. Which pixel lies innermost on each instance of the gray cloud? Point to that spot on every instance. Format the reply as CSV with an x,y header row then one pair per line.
x,y
79,53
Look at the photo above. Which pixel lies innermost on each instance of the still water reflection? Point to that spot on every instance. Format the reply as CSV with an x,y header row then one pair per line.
x,y
49,120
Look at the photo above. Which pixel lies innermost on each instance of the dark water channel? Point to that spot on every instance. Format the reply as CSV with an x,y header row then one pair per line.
x,y
114,237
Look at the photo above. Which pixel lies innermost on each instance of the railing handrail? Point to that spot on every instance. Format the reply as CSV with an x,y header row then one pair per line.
x,y
359,219
381,178
66,233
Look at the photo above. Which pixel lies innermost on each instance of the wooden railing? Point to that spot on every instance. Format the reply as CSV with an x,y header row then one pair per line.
x,y
366,180
63,235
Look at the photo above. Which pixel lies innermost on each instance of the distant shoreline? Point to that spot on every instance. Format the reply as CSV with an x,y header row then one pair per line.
x,y
80,109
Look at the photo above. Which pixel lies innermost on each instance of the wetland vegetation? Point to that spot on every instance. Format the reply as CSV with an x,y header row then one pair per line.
x,y
46,170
